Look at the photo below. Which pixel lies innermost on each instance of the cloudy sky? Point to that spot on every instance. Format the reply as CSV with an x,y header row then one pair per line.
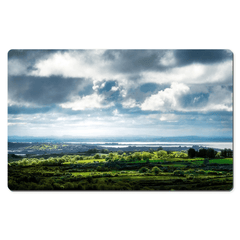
x,y
120,92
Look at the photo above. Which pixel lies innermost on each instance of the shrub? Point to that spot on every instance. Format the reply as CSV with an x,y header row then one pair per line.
x,y
99,168
107,175
156,170
190,176
178,173
190,171
212,172
201,171
89,179
183,155
143,170
206,161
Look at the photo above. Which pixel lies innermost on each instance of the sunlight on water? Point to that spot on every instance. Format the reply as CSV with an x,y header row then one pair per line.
x,y
220,145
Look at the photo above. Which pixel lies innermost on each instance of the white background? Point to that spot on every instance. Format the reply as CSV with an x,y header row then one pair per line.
x,y
118,24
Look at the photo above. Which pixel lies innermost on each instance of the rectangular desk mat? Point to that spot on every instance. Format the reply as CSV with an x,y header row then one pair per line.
x,y
110,120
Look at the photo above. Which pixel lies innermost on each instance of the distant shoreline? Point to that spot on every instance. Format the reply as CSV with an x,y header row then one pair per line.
x,y
32,148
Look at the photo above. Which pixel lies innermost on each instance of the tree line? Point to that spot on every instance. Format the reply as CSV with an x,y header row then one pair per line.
x,y
209,153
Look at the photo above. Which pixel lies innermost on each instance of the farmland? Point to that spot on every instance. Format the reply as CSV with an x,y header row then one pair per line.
x,y
157,170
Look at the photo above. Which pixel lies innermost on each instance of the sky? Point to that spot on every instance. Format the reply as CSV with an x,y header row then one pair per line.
x,y
120,93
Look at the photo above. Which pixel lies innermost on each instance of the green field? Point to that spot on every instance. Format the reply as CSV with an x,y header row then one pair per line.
x,y
43,147
222,161
129,171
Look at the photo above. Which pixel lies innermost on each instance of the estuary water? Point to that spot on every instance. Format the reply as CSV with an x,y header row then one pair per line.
x,y
220,145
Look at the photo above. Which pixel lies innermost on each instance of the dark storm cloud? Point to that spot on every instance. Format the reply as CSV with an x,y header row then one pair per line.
x,y
21,62
131,61
186,57
137,61
42,90
28,110
32,55
29,57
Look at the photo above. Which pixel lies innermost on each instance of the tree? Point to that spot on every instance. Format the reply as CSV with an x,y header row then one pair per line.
x,y
130,158
104,151
120,152
92,151
110,155
76,158
146,155
137,156
97,156
210,153
218,155
161,153
151,150
202,152
227,153
191,152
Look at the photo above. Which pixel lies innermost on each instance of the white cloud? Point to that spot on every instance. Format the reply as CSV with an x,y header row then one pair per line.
x,y
169,118
219,100
195,73
168,59
17,123
115,112
129,103
165,117
21,103
67,118
87,102
103,85
60,64
114,88
167,99
74,64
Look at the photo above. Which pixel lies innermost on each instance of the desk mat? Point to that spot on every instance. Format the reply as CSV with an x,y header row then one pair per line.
x,y
110,120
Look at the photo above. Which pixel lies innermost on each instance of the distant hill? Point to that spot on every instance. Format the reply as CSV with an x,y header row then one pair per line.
x,y
119,139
